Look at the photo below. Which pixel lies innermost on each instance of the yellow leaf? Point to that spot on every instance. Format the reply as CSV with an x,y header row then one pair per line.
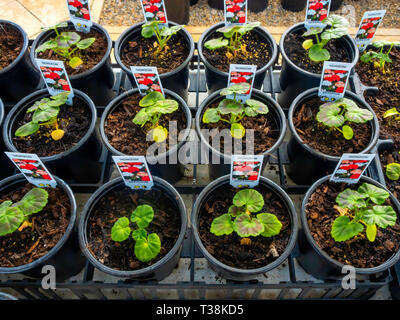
x,y
308,44
160,134
57,134
342,211
75,62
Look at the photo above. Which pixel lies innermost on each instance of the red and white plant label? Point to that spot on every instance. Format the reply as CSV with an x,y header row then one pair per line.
x,y
239,73
147,79
235,12
79,14
245,170
55,77
135,171
334,79
368,26
33,169
317,11
351,167
154,10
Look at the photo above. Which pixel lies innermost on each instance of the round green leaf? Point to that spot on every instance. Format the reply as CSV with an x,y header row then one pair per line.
x,y
67,39
317,53
252,199
334,33
148,29
313,31
248,27
33,201
229,106
10,219
169,31
330,116
222,225
217,43
27,129
343,229
211,115
139,234
165,106
151,98
120,230
235,211
258,106
358,115
351,199
347,132
239,88
142,215
393,171
148,249
376,194
382,216
336,21
237,131
272,226
245,226
141,117
45,114
48,45
85,43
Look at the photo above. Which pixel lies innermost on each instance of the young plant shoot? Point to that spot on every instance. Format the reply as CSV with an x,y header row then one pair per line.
x,y
233,111
336,28
379,59
15,216
393,171
154,105
232,39
67,45
392,113
362,210
240,218
45,113
147,246
335,114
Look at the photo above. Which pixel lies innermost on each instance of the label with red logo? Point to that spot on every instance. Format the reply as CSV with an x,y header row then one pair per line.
x,y
335,76
368,26
154,10
235,12
33,169
239,73
317,11
135,171
351,167
79,14
246,170
147,79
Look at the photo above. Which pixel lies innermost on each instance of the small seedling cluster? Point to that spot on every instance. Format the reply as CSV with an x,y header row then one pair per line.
x,y
380,58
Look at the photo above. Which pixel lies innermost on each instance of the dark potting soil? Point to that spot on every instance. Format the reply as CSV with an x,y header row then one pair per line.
x,y
316,134
11,42
299,56
90,56
258,50
360,253
74,120
387,157
140,51
122,202
49,225
266,132
227,249
130,138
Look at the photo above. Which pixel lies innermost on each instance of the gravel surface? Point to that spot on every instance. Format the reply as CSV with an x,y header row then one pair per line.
x,y
128,12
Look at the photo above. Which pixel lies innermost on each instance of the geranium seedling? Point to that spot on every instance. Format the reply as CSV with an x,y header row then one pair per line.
x,y
232,40
15,216
335,114
393,171
147,246
392,113
380,58
337,27
45,113
240,218
360,210
154,105
67,45
235,108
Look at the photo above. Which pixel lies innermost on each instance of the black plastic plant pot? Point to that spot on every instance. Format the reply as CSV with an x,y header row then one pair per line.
x,y
176,80
294,80
217,79
77,164
308,165
19,78
97,82
335,5
294,5
317,262
7,168
65,256
160,269
6,296
220,163
178,10
233,273
252,5
165,165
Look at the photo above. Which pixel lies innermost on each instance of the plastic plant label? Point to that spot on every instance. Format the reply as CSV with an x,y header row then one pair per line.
x,y
33,169
147,79
368,26
235,12
79,14
55,77
245,170
135,171
317,11
334,79
239,73
351,167
154,10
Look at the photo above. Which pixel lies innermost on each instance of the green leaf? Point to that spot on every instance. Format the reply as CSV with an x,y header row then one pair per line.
x,y
148,29
164,106
272,226
57,100
215,44
381,43
336,21
10,218
239,88
343,229
211,115
151,98
317,53
85,43
248,27
230,106
237,131
391,112
166,31
235,211
351,199
371,232
139,234
334,33
358,115
257,106
147,249
330,116
223,225
252,199
48,45
347,132
382,216
229,31
121,230
75,62
368,56
67,39
34,201
245,226
343,102
27,129
142,215
141,117
376,194
45,114
313,31
393,171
